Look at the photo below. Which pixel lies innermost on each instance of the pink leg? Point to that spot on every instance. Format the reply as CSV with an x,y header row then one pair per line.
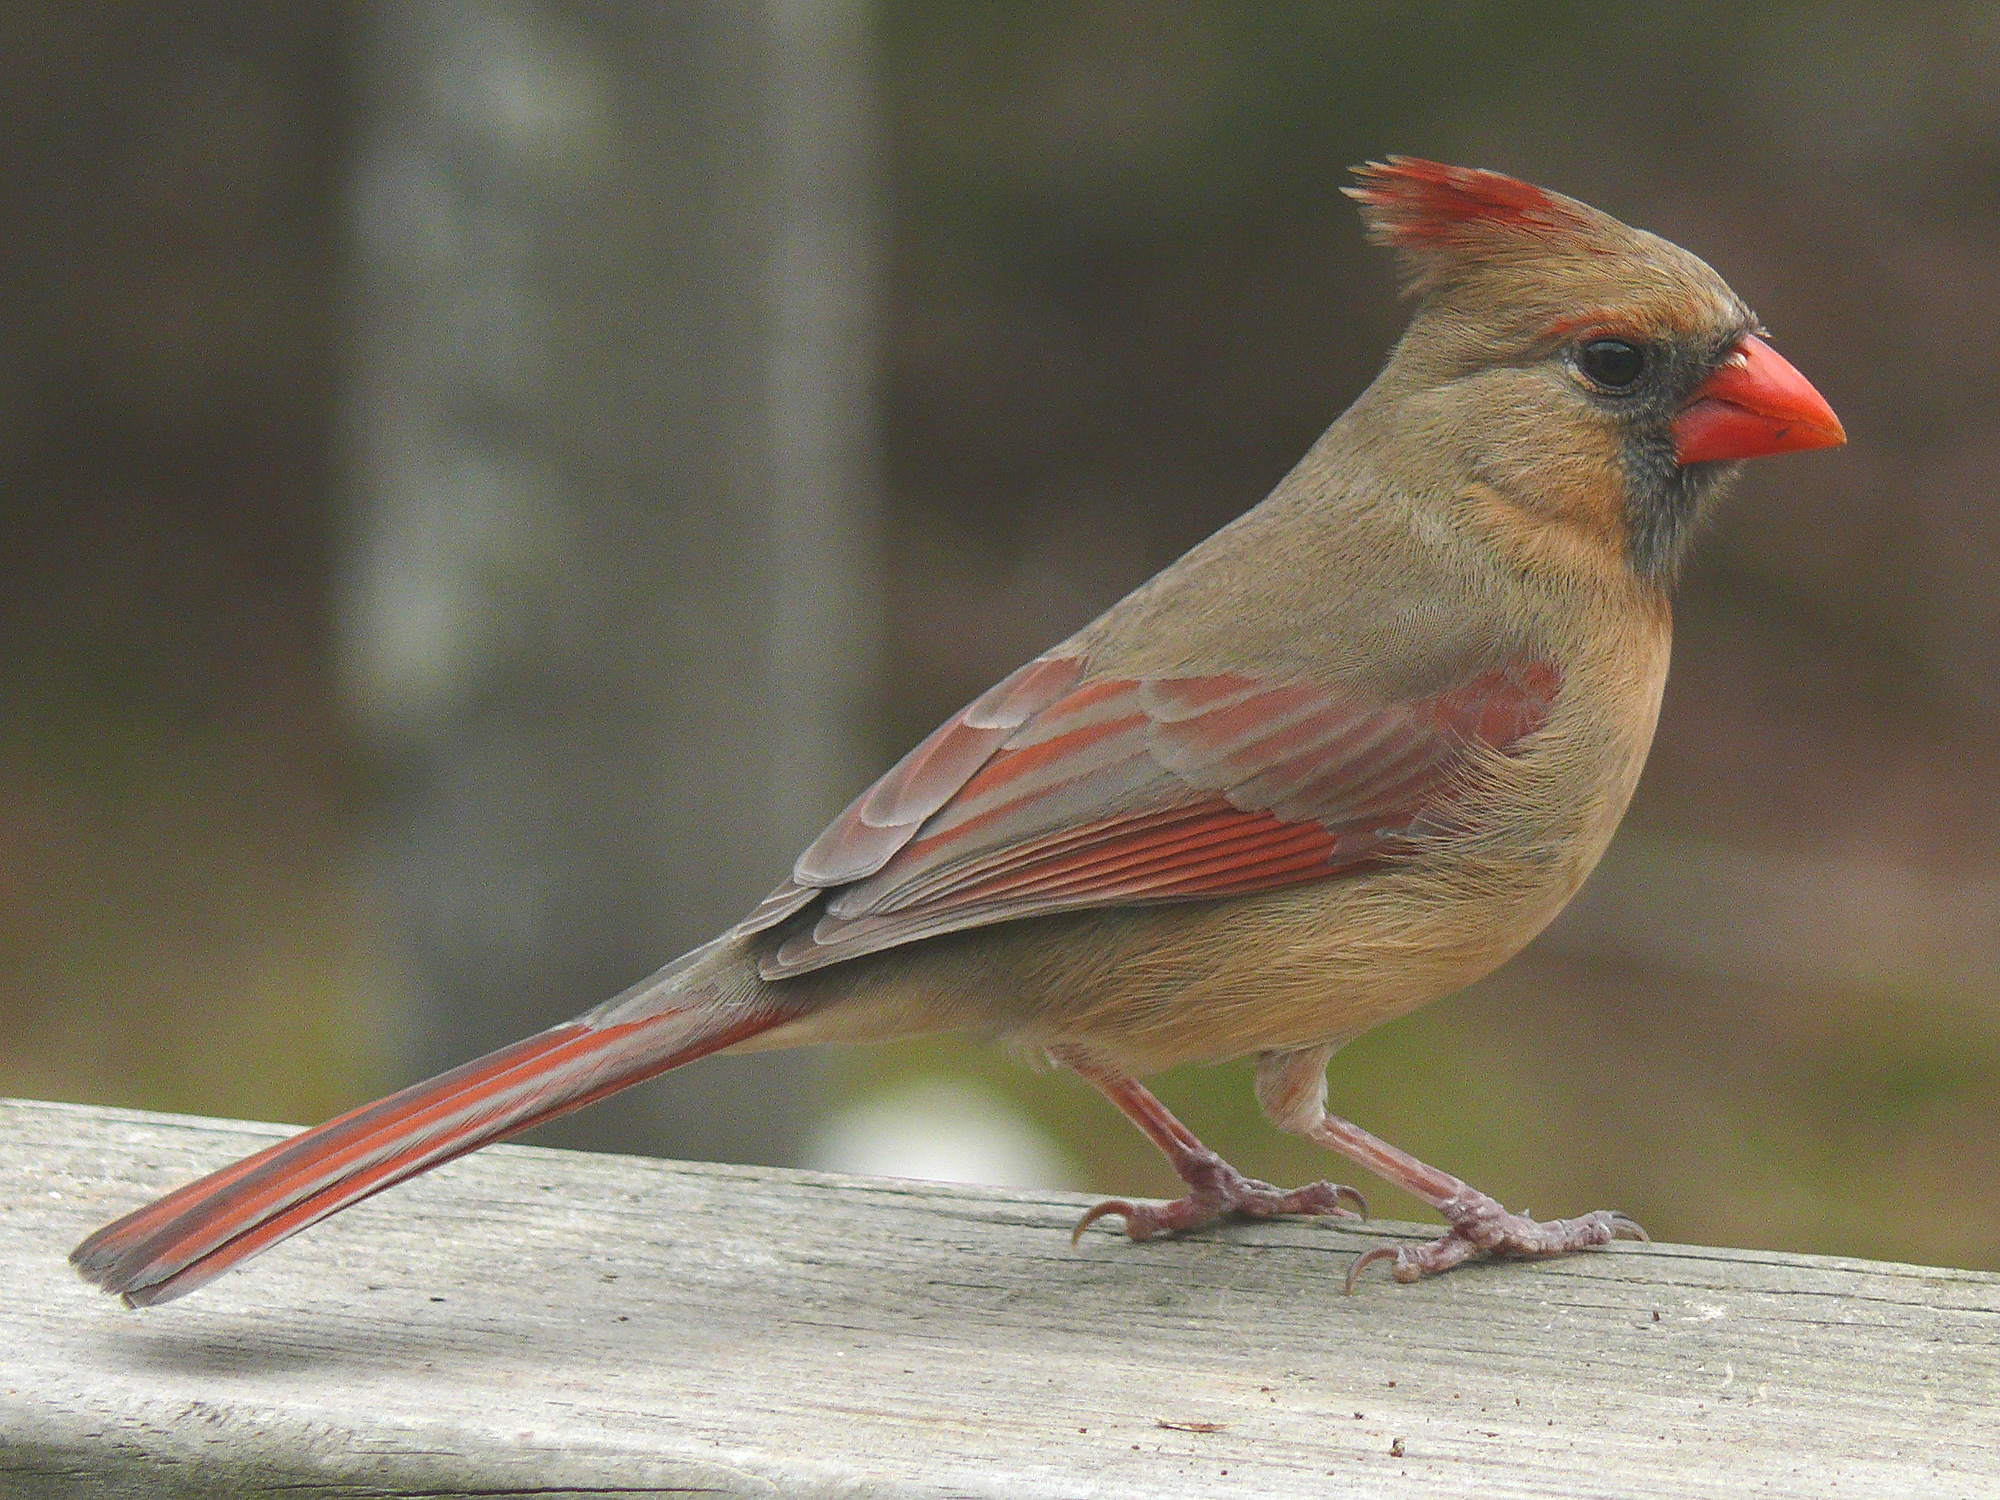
x,y
1216,1189
1292,1088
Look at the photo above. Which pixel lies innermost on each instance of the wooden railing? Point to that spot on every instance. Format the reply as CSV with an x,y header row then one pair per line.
x,y
542,1322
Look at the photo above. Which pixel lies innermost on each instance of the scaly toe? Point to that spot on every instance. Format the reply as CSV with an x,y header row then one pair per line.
x,y
1259,1200
1480,1226
1144,1220
1220,1195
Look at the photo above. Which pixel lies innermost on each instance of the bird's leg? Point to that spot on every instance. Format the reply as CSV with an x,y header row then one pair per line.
x,y
1291,1086
1215,1189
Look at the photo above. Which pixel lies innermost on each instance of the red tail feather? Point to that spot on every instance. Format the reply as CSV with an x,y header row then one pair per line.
x,y
188,1238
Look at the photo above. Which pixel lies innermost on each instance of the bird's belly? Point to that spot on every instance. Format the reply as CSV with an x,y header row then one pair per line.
x,y
1307,966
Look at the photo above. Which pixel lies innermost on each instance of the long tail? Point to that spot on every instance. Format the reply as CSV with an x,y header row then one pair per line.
x,y
697,1005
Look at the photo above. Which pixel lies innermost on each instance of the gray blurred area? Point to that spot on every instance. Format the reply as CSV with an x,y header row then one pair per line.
x,y
612,605
485,480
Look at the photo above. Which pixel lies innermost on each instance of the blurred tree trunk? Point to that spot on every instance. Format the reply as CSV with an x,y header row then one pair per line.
x,y
612,612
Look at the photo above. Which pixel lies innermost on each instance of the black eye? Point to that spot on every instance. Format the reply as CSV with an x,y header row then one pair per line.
x,y
1613,363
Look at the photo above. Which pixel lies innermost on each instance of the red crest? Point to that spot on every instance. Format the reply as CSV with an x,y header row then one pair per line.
x,y
1423,205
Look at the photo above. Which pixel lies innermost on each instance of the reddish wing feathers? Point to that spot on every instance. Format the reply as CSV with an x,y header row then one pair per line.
x,y
1119,792
1417,205
885,817
882,819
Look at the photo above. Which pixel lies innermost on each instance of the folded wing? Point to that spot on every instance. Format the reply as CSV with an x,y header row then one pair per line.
x,y
1055,791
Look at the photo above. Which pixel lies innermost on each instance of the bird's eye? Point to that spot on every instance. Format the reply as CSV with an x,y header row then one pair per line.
x,y
1612,363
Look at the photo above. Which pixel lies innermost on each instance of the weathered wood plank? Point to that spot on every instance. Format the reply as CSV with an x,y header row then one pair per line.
x,y
546,1322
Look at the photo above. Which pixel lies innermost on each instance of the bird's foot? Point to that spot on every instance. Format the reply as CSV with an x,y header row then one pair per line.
x,y
1217,1191
1481,1225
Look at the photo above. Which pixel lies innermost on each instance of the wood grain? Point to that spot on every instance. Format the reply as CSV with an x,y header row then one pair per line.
x,y
532,1321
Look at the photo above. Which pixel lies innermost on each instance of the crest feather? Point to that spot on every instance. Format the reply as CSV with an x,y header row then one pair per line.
x,y
1441,216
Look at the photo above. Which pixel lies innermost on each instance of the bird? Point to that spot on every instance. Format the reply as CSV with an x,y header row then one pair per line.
x,y
1347,755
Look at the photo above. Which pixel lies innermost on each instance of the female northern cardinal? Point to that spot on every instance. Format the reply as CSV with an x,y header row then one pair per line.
x,y
1347,755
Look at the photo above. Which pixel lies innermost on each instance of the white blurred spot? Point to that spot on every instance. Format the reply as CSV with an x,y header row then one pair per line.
x,y
940,1130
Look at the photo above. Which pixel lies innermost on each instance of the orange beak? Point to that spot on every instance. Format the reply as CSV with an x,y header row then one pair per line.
x,y
1754,405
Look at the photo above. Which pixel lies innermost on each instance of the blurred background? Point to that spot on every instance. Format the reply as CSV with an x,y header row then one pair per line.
x,y
484,481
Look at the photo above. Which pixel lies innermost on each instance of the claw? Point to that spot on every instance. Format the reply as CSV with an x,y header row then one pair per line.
x,y
1342,1193
1368,1258
1127,1211
1625,1227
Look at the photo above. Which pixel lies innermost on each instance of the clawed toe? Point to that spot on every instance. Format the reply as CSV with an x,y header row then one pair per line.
x,y
1259,1200
1480,1226
1225,1193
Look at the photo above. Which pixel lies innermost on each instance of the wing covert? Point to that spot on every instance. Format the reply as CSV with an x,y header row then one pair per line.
x,y
1054,792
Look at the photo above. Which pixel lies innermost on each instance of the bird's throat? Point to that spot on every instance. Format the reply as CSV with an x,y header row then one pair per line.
x,y
1666,504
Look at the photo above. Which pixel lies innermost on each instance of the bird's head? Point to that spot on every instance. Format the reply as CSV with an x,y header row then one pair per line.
x,y
1595,376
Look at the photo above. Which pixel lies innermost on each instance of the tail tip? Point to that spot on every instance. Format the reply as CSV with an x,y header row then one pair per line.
x,y
100,1267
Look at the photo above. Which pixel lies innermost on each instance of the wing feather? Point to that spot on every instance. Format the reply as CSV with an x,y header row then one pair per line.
x,y
1055,792
882,819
